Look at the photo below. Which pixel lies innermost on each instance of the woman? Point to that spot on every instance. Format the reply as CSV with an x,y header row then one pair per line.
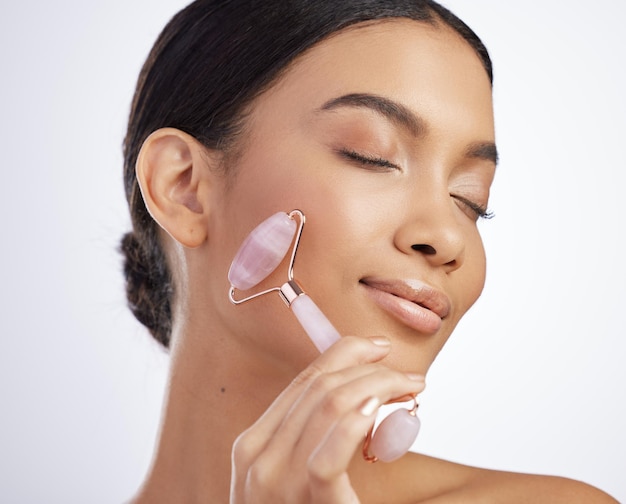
x,y
374,118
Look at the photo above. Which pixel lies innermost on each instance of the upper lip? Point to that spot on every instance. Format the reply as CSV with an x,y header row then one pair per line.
x,y
413,290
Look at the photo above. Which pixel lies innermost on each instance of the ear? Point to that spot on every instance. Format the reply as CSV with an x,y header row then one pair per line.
x,y
174,175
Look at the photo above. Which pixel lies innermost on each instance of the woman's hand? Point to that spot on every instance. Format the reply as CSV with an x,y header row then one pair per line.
x,y
300,449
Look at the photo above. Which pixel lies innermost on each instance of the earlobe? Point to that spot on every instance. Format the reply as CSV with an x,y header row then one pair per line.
x,y
175,181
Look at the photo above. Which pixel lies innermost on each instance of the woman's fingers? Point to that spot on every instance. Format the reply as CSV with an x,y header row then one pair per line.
x,y
348,352
300,449
337,406
330,397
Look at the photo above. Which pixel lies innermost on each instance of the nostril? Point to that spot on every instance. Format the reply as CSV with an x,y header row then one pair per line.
x,y
424,249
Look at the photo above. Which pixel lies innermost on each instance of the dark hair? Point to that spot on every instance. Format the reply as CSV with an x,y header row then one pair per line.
x,y
211,60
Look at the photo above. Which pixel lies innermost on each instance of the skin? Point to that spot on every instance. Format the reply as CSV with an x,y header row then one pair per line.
x,y
253,412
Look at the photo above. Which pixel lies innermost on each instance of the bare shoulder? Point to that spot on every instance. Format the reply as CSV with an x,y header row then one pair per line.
x,y
434,481
488,486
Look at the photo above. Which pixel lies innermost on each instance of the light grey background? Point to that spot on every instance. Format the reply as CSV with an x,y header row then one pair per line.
x,y
533,379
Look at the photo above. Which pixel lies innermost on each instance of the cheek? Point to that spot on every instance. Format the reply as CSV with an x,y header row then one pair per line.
x,y
472,273
271,181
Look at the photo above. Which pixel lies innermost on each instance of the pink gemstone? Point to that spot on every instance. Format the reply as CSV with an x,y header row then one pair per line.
x,y
322,333
395,435
262,251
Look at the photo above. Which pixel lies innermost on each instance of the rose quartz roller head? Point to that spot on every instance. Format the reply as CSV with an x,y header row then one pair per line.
x,y
259,255
394,436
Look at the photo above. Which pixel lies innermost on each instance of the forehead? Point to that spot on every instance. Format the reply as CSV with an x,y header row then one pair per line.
x,y
428,68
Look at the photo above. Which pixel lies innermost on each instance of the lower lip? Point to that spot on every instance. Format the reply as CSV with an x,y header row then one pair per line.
x,y
410,314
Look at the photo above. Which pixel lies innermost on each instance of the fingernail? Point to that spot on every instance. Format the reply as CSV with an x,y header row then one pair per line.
x,y
370,406
380,341
415,377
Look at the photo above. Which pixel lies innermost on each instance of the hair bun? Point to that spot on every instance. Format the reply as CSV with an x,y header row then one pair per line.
x,y
148,287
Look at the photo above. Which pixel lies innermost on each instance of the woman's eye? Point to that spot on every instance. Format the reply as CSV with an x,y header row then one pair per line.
x,y
472,209
372,162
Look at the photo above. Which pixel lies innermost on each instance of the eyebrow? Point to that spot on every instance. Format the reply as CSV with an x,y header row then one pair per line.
x,y
393,111
404,117
483,150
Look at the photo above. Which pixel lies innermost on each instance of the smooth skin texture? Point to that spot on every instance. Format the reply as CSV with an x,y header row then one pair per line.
x,y
383,135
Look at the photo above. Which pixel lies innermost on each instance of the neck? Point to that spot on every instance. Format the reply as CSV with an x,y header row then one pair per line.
x,y
213,395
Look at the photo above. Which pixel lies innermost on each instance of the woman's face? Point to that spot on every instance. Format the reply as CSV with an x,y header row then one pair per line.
x,y
383,136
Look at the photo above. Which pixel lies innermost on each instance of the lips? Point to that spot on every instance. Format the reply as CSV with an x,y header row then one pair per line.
x,y
412,302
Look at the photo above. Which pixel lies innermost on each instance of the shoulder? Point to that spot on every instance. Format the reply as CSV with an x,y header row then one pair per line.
x,y
496,487
434,481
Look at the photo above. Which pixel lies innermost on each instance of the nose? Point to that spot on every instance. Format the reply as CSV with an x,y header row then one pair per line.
x,y
432,230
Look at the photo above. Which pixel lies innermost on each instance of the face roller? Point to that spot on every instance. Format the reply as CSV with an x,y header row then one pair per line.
x,y
259,255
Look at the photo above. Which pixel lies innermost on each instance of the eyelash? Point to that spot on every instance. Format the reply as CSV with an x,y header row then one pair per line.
x,y
367,160
480,211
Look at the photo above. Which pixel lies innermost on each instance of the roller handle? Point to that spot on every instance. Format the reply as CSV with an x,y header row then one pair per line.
x,y
322,333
